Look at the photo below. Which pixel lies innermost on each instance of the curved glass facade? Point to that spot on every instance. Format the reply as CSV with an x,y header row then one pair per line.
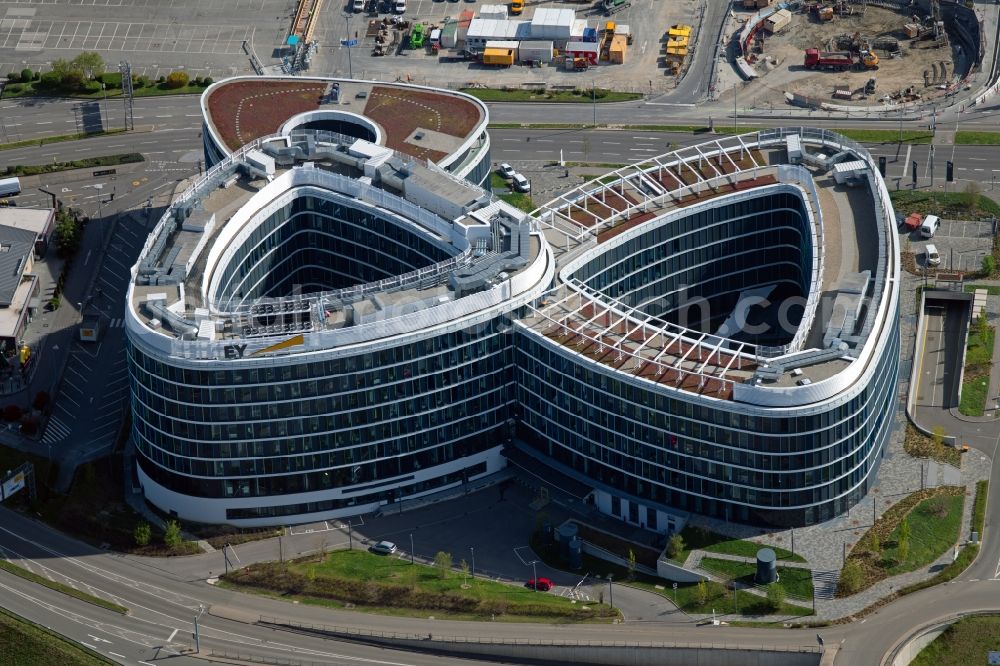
x,y
259,430
692,271
314,244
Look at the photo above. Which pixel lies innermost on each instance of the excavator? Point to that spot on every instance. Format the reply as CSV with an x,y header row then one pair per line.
x,y
867,59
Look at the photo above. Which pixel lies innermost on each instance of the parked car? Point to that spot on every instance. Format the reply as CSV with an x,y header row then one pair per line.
x,y
399,6
506,170
932,256
358,5
520,183
540,584
930,226
384,548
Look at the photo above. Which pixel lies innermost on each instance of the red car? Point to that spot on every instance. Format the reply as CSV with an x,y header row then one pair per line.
x,y
541,584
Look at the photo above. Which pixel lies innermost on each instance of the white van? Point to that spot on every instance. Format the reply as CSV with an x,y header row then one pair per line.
x,y
930,226
931,255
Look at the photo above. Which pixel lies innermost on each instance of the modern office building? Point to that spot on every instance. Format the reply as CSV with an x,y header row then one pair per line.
x,y
321,326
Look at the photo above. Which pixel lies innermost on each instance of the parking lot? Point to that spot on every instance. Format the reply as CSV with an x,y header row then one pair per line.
x,y
203,37
94,390
962,244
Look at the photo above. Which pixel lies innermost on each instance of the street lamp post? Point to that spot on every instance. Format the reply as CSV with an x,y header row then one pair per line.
x,y
197,635
104,89
473,551
534,575
411,548
350,68
593,99
611,590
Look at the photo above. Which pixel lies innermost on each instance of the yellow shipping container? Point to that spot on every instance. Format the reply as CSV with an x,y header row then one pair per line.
x,y
618,48
677,42
679,30
503,57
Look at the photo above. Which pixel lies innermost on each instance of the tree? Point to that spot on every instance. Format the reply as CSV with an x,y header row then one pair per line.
x,y
851,577
989,265
701,592
142,534
442,561
89,63
208,81
60,66
631,564
27,75
464,566
67,235
970,196
73,80
675,545
50,80
172,537
775,596
177,79
982,326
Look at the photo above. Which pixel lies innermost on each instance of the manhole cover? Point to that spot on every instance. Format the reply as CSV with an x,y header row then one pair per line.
x,y
136,183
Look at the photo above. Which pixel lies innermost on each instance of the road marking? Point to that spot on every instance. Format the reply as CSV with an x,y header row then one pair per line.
x,y
115,654
99,640
92,647
87,259
172,634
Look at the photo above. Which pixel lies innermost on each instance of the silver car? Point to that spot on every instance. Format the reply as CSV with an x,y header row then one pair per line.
x,y
384,548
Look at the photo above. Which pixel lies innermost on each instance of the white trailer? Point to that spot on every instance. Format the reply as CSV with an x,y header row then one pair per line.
x,y
9,187
535,51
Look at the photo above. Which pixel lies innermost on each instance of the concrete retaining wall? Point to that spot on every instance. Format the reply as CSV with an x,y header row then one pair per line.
x,y
620,653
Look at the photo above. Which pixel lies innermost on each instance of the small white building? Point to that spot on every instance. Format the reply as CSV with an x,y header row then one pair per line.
x,y
535,51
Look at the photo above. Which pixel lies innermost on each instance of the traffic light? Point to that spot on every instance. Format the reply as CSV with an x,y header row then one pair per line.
x,y
950,172
881,165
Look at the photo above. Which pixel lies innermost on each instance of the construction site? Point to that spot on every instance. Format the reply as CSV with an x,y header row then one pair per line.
x,y
855,52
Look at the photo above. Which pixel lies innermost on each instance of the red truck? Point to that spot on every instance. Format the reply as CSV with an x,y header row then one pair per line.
x,y
816,59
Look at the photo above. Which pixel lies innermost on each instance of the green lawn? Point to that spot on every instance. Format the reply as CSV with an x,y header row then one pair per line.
x,y
696,538
991,290
86,163
934,528
964,643
978,138
56,139
154,90
951,205
934,515
976,382
886,136
796,581
586,95
60,587
24,643
391,585
720,600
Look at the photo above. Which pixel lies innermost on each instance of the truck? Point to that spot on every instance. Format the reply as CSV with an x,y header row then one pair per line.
x,y
9,187
838,60
612,6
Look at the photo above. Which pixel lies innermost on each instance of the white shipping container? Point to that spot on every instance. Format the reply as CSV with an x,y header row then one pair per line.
x,y
485,30
493,12
551,23
845,171
539,51
576,32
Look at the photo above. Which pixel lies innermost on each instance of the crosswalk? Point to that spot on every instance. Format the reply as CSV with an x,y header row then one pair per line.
x,y
825,584
55,431
117,322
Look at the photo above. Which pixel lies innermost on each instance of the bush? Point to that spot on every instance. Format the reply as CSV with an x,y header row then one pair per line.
x,y
177,80
443,563
198,81
172,537
775,596
72,80
142,534
208,81
27,75
675,545
143,82
50,80
989,265
161,79
14,87
12,413
12,76
851,577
